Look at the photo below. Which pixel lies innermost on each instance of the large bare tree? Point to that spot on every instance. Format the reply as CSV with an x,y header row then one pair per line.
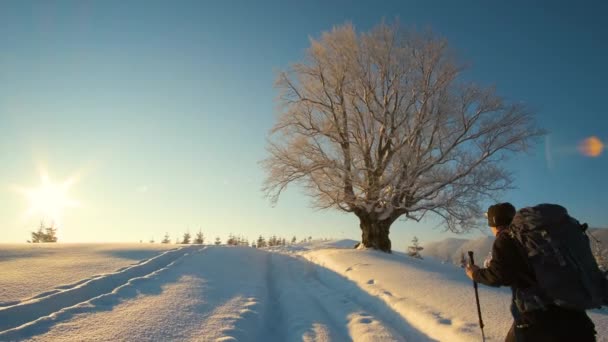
x,y
380,124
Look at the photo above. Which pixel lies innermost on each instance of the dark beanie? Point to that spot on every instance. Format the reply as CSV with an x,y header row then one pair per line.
x,y
500,214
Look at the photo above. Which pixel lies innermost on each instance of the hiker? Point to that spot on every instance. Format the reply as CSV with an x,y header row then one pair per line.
x,y
534,320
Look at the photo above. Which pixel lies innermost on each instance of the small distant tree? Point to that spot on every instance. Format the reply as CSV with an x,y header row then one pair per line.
x,y
293,240
231,240
186,238
38,236
45,234
35,237
152,240
200,238
218,241
242,241
166,239
261,242
51,233
414,249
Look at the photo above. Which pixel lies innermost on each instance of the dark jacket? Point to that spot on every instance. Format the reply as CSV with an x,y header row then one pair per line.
x,y
509,267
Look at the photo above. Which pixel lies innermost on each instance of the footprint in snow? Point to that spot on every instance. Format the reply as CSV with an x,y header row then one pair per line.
x,y
441,319
468,328
352,268
365,320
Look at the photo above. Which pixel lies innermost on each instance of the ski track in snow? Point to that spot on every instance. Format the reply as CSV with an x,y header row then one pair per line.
x,y
209,294
220,293
27,270
49,306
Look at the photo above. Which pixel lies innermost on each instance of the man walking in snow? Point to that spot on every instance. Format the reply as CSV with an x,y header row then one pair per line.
x,y
509,267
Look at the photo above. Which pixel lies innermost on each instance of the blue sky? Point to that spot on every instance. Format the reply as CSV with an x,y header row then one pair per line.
x,y
162,108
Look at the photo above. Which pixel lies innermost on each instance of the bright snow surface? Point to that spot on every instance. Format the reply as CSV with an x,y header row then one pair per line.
x,y
27,270
305,292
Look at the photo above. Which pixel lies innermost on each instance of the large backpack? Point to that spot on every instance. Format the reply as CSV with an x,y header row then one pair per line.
x,y
559,253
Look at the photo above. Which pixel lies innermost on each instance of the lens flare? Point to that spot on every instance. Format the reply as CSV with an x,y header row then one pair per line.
x,y
591,147
50,199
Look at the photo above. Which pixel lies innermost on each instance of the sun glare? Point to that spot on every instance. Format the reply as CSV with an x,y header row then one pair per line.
x,y
591,147
50,199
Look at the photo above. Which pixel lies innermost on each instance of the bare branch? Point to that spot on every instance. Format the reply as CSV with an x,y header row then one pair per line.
x,y
380,125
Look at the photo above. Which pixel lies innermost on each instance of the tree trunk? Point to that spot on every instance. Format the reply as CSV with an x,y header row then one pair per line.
x,y
374,233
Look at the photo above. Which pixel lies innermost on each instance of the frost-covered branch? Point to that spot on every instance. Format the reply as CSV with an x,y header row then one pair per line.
x,y
380,124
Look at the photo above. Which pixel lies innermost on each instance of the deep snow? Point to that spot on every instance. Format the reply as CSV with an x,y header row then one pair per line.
x,y
305,292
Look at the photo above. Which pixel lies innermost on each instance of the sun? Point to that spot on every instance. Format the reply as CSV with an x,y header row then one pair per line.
x,y
50,199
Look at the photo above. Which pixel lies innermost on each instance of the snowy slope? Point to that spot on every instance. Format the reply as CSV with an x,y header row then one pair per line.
x,y
433,298
29,269
213,294
320,291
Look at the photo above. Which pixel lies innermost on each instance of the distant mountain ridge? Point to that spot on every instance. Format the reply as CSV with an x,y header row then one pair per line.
x,y
451,249
601,234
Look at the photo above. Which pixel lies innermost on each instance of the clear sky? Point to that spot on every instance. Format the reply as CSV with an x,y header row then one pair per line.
x,y
159,110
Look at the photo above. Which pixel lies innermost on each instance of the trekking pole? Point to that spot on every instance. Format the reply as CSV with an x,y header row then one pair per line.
x,y
483,336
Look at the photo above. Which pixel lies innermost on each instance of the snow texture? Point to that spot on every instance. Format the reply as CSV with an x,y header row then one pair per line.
x,y
318,291
29,269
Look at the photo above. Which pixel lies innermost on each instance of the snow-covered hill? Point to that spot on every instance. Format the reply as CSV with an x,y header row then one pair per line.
x,y
320,291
